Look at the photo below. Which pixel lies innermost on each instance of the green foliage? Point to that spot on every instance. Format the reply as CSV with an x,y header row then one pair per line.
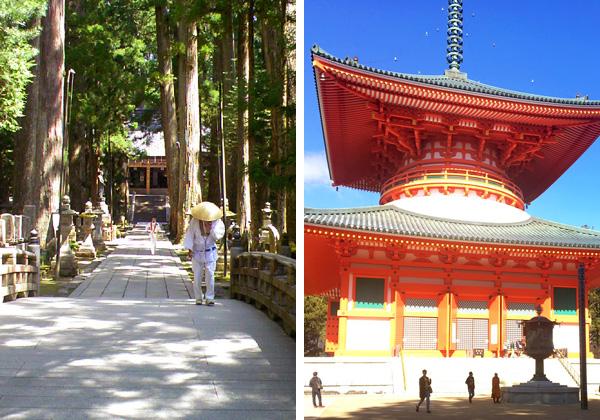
x,y
111,47
315,317
6,165
118,144
16,57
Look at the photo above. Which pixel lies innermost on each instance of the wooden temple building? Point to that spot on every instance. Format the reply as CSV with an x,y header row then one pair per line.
x,y
148,174
449,261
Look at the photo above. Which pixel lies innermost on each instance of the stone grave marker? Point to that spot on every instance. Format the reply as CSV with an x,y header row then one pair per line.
x,y
9,225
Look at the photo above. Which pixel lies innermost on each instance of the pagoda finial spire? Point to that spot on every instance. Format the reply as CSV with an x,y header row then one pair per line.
x,y
455,40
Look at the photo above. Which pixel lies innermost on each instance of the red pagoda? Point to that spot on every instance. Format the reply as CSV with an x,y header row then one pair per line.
x,y
449,263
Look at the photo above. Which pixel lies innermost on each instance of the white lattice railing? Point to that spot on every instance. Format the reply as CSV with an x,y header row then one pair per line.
x,y
561,355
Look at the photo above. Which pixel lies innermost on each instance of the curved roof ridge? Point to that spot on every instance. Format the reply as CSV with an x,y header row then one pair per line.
x,y
459,84
386,207
578,229
388,219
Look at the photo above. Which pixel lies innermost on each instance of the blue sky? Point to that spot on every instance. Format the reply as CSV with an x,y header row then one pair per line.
x,y
545,47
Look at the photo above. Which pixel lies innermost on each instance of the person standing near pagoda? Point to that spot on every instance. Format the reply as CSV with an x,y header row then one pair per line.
x,y
424,390
153,228
316,386
470,386
496,389
201,236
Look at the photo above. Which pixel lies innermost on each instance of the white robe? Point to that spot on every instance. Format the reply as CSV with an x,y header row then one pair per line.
x,y
204,248
204,255
153,231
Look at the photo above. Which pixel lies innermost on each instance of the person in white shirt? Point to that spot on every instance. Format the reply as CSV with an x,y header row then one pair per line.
x,y
200,239
153,228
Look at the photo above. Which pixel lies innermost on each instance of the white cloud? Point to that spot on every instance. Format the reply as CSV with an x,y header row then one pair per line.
x,y
315,168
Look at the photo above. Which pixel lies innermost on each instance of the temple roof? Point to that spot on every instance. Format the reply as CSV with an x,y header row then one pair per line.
x,y
349,94
464,84
389,219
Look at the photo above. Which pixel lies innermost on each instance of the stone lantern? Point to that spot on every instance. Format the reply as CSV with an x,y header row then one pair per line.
x,y
269,235
67,262
87,249
267,213
538,346
538,342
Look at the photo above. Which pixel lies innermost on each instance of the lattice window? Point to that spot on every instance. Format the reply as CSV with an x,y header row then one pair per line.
x,y
565,301
334,307
471,333
521,308
420,305
420,333
472,307
513,331
370,293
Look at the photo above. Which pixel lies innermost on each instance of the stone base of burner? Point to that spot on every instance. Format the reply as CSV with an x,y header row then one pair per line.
x,y
540,392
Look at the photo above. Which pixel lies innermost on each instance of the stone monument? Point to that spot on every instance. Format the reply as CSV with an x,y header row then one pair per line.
x,y
2,233
19,237
538,346
269,235
34,246
101,185
234,238
67,262
9,226
87,249
97,233
103,229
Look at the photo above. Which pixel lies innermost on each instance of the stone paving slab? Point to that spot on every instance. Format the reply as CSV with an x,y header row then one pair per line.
x,y
114,412
130,343
132,272
201,399
160,358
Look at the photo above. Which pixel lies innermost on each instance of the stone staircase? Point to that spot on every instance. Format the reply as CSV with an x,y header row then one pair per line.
x,y
149,206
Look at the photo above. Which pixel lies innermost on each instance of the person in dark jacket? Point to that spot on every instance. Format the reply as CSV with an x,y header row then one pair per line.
x,y
471,386
424,390
316,385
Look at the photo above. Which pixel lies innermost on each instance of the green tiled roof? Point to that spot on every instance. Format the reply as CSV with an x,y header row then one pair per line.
x,y
389,219
459,84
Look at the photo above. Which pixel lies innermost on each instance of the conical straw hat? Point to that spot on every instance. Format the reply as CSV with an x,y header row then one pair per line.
x,y
206,211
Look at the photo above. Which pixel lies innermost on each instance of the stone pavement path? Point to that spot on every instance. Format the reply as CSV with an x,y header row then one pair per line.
x,y
107,354
132,272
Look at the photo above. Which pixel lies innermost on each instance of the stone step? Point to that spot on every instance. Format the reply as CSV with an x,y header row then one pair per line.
x,y
148,206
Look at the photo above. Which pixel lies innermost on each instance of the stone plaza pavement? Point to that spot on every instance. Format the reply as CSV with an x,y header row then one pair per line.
x,y
130,343
402,407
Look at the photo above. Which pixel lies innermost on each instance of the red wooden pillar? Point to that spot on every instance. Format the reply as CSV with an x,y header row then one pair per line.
x,y
446,323
399,319
345,277
496,324
332,326
147,177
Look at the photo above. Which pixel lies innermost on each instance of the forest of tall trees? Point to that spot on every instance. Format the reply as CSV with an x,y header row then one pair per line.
x,y
130,60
